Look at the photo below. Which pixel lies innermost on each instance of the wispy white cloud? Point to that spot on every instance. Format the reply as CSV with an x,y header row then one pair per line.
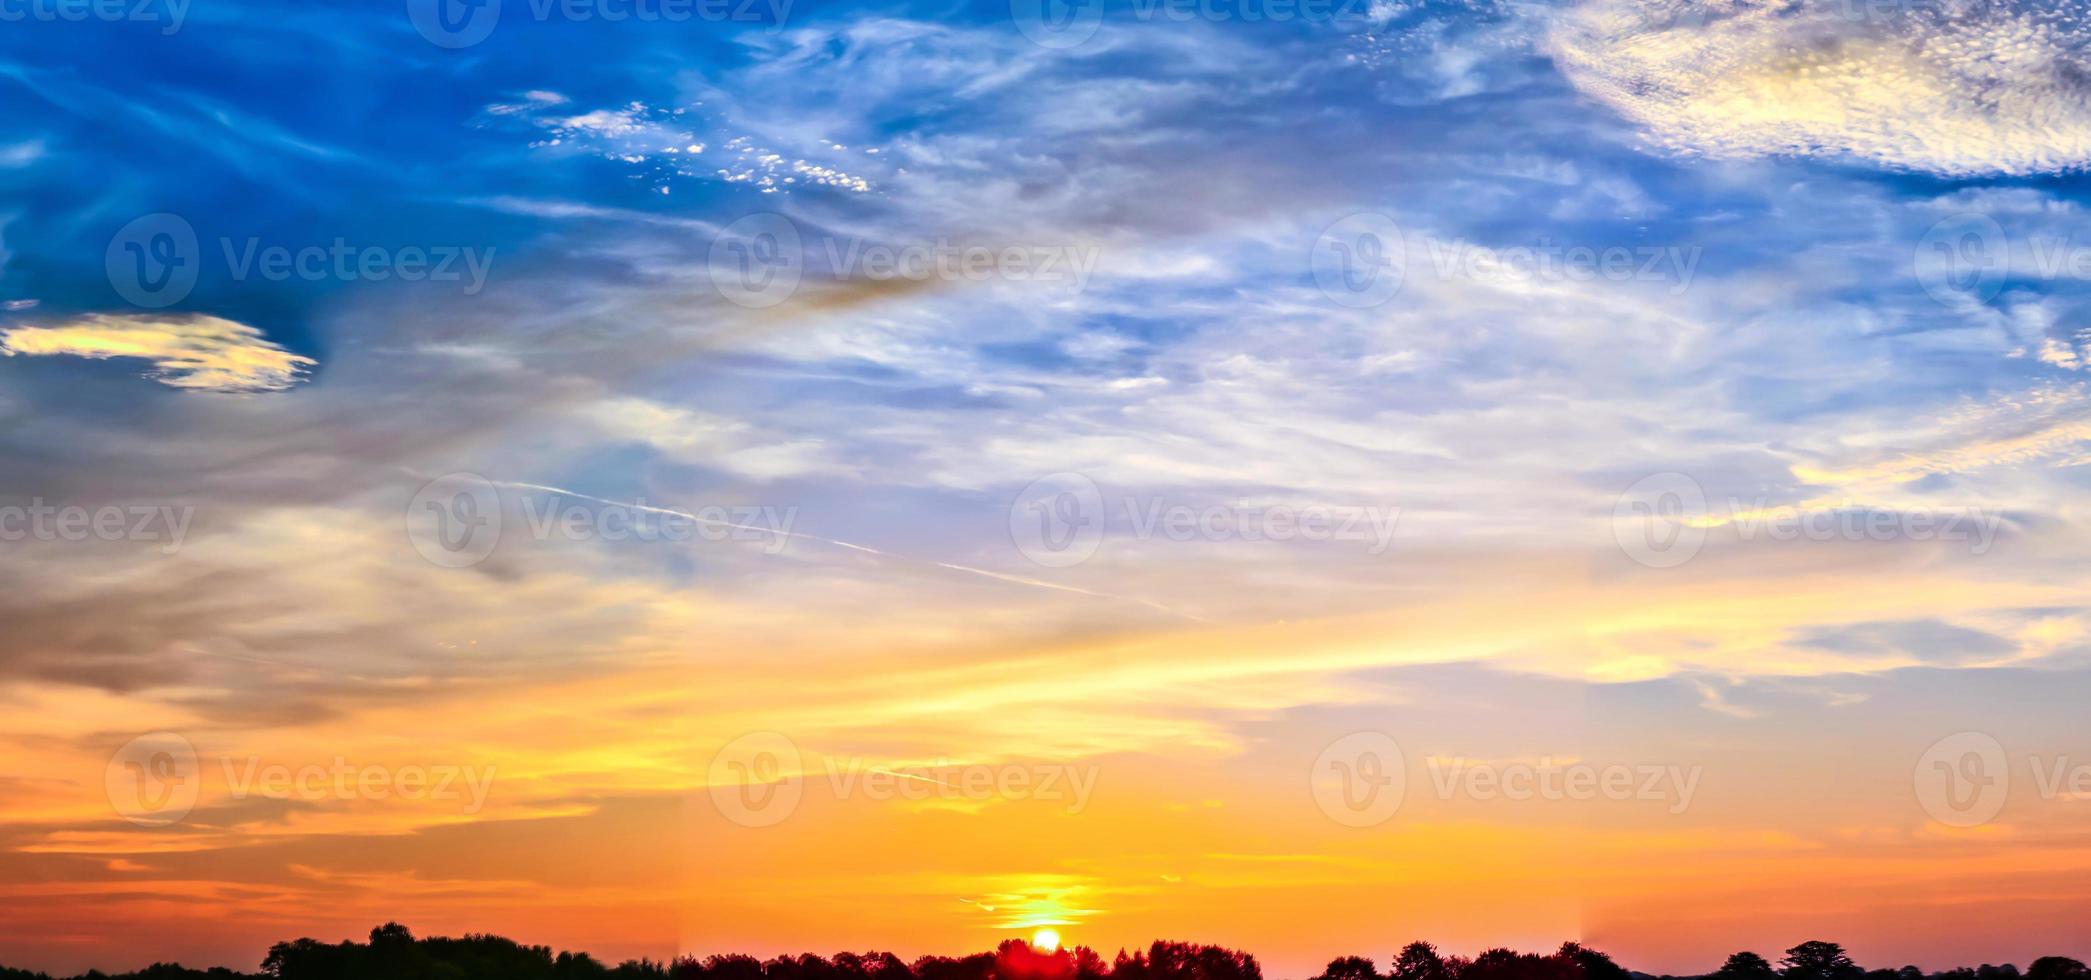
x,y
202,353
1996,89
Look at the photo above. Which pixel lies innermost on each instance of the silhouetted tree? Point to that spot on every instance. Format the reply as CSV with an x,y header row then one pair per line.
x,y
393,953
2057,968
1591,964
1350,968
1188,961
1818,960
1418,961
1504,964
1015,959
733,966
1746,966
577,966
1988,972
1089,965
979,966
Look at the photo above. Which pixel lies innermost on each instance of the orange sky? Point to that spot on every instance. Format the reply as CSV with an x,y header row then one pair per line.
x,y
1142,781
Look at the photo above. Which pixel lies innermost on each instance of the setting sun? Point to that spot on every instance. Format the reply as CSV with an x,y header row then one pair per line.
x,y
1045,940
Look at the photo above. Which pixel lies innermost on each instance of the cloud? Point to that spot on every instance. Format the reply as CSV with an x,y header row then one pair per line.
x,y
710,440
1994,90
201,353
1928,640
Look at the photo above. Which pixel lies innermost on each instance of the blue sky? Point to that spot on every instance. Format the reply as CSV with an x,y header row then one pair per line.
x,y
1486,283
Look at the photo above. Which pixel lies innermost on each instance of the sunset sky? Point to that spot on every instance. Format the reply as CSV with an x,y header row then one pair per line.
x,y
1173,472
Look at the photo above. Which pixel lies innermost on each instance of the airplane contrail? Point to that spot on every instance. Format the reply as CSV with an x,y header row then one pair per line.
x,y
839,543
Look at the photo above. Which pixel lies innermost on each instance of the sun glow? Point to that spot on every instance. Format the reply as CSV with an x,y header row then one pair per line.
x,y
1045,940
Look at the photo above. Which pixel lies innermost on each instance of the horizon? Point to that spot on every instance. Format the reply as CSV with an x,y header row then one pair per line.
x,y
1048,944
654,476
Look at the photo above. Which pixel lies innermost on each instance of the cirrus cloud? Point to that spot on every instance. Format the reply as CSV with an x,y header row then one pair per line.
x,y
1954,89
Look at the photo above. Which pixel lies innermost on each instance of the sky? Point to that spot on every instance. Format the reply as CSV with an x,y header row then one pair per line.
x,y
1304,475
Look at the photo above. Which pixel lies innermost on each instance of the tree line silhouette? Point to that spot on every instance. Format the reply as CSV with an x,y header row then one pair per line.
x,y
394,954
